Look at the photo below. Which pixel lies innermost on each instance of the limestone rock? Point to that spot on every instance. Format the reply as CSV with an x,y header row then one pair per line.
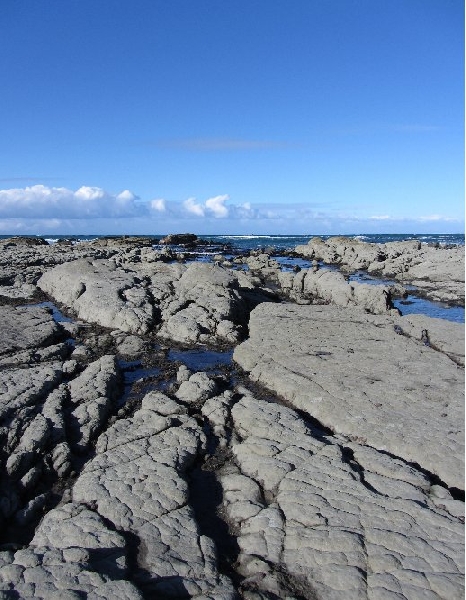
x,y
354,374
136,481
198,388
437,271
195,304
92,394
322,528
206,295
73,554
26,328
100,294
325,286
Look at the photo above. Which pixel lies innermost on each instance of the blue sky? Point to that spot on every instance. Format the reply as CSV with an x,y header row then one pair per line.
x,y
235,116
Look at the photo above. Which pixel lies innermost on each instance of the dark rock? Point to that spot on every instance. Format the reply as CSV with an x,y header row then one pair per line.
x,y
179,239
20,240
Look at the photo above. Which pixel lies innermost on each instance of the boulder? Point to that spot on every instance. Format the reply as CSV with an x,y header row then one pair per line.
x,y
100,293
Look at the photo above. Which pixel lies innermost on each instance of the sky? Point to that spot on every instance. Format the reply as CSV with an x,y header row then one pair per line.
x,y
231,117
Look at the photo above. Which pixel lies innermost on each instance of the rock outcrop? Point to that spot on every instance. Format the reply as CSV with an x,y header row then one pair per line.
x,y
197,303
437,272
323,286
324,518
329,466
361,376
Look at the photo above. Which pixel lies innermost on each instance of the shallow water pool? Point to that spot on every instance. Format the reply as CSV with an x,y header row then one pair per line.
x,y
201,360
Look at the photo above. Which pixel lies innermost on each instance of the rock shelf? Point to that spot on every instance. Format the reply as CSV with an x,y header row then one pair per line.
x,y
437,272
325,461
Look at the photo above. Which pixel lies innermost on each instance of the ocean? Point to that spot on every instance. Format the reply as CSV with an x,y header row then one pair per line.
x,y
242,243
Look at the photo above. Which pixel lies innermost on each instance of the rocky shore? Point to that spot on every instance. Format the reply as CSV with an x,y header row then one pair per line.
x,y
436,271
325,460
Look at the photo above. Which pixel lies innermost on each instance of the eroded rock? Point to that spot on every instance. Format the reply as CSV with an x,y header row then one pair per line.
x,y
198,303
315,521
359,377
324,286
437,271
137,482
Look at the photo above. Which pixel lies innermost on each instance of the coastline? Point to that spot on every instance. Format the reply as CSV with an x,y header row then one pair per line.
x,y
333,438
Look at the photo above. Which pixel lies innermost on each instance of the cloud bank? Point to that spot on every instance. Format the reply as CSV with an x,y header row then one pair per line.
x,y
40,201
94,210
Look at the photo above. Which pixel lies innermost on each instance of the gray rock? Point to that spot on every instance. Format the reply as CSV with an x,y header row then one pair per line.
x,y
263,263
136,482
355,375
32,509
217,411
206,296
310,522
325,286
445,336
26,328
33,441
198,303
439,272
73,554
61,459
179,239
183,374
23,387
198,388
92,395
21,266
131,345
101,294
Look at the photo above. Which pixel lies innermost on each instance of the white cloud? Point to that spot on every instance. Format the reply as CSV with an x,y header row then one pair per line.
x,y
158,205
92,209
39,201
193,207
126,196
211,207
435,218
217,206
84,192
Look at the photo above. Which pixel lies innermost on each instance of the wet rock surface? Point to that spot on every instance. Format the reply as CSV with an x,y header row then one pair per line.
x,y
137,461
